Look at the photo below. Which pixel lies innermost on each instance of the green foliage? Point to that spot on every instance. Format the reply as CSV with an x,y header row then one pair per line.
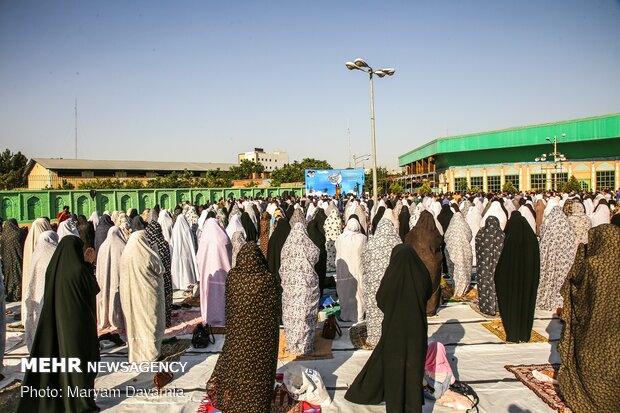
x,y
425,189
294,172
382,173
105,183
66,185
509,188
12,168
572,185
396,188
245,169
462,186
133,184
251,184
474,190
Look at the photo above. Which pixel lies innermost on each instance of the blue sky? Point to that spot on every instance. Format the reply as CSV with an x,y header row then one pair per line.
x,y
204,80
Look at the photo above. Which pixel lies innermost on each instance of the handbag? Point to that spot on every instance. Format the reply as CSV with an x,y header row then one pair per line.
x,y
465,389
331,327
202,336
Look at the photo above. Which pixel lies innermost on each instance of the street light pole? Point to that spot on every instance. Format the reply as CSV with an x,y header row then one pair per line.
x,y
375,201
360,64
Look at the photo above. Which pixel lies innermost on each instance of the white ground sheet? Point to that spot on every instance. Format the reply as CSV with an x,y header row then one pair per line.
x,y
477,357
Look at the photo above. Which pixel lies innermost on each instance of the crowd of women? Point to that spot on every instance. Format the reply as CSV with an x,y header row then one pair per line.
x,y
254,263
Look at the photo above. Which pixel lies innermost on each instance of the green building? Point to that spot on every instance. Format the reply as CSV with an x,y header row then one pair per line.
x,y
587,148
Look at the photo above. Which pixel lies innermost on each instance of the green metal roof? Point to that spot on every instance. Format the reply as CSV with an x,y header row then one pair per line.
x,y
577,130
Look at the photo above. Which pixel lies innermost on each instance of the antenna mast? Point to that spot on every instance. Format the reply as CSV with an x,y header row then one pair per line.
x,y
76,134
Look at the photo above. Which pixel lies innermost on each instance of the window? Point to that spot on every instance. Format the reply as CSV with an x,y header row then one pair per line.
x,y
559,179
514,179
494,183
476,181
538,182
460,184
605,180
585,184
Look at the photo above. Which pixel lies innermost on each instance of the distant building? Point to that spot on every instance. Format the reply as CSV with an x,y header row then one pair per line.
x,y
270,160
487,160
54,172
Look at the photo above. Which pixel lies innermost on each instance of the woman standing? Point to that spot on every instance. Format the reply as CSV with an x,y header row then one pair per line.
x,y
333,229
557,254
375,261
426,241
489,244
109,312
158,243
349,272
395,370
184,268
243,378
516,279
142,298
300,290
458,253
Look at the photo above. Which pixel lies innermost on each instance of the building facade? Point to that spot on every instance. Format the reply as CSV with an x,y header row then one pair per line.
x,y
270,160
51,173
488,160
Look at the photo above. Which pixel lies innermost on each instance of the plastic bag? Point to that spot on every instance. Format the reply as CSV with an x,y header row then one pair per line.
x,y
305,384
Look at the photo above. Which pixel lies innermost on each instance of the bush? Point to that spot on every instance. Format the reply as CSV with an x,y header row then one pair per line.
x,y
572,185
509,188
396,188
425,189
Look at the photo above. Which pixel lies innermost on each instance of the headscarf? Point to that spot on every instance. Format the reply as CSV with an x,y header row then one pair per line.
x,y
528,213
109,312
403,222
67,327
426,240
101,232
159,244
165,221
589,343
34,289
557,254
142,297
238,241
274,247
297,217
234,225
137,224
184,269
238,382
250,232
402,296
601,214
94,218
458,253
214,258
65,228
495,210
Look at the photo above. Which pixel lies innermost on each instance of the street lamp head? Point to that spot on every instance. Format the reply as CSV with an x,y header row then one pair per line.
x,y
351,66
360,63
380,73
563,135
389,71
548,138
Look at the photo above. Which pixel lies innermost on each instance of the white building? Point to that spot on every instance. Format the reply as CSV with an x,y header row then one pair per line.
x,y
270,160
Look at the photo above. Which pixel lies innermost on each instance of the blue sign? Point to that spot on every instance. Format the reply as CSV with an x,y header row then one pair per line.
x,y
327,181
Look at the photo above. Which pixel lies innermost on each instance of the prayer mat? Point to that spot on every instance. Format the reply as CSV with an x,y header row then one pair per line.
x,y
183,322
322,349
548,392
9,396
358,335
206,406
174,350
476,308
471,296
191,302
15,327
497,328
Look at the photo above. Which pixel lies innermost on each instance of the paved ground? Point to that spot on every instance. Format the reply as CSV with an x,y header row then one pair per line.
x,y
477,356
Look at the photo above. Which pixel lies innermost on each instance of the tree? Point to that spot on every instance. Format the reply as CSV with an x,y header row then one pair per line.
x,y
251,184
425,189
462,186
572,185
396,188
12,168
294,172
382,173
509,188
245,169
133,184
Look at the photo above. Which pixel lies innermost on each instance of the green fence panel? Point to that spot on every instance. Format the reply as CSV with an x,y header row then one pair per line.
x,y
26,206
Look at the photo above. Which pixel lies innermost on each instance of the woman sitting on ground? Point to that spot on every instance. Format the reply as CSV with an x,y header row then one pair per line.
x,y
438,377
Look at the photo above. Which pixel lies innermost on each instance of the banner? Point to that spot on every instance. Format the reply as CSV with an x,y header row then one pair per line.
x,y
334,181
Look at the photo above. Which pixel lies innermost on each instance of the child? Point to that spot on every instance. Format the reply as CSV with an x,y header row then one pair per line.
x,y
438,378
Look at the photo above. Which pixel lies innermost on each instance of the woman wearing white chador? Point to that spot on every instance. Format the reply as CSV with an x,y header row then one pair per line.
x,y
349,272
109,313
184,268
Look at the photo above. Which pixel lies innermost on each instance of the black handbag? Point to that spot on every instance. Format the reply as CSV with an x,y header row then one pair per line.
x,y
466,390
202,336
